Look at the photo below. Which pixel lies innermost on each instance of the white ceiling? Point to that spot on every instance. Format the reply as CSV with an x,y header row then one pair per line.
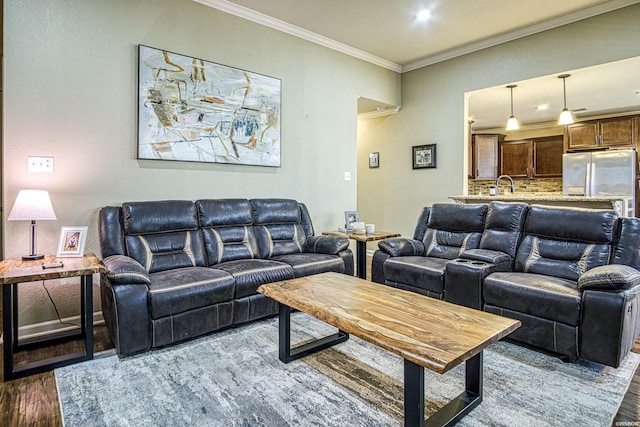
x,y
384,32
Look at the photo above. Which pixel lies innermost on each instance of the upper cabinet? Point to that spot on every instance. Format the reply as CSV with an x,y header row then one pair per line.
x,y
532,158
617,132
515,158
485,155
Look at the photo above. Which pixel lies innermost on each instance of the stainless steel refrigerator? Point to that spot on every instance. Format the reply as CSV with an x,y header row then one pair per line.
x,y
601,174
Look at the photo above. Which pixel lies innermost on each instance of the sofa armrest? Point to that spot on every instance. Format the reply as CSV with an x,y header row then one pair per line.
x,y
331,245
486,255
610,324
125,308
123,270
401,246
610,277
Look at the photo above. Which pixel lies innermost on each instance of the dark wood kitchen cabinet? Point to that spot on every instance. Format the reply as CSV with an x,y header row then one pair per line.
x,y
515,158
547,157
532,158
485,155
615,132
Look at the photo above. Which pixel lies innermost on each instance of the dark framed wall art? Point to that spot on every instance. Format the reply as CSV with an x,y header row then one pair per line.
x,y
194,110
374,160
424,156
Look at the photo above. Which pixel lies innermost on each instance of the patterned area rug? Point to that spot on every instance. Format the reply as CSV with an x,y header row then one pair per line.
x,y
234,378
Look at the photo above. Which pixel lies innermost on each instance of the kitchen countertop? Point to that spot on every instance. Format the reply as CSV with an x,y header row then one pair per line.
x,y
532,197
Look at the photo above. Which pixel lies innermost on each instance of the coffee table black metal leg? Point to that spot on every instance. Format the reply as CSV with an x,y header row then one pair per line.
x,y
286,354
413,394
452,411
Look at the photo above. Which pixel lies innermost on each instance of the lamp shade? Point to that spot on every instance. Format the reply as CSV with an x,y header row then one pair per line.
x,y
32,205
512,123
566,118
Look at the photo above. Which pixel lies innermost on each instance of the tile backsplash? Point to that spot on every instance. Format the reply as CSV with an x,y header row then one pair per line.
x,y
537,185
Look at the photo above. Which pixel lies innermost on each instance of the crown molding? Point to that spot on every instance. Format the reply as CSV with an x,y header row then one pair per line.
x,y
267,21
384,112
519,33
262,19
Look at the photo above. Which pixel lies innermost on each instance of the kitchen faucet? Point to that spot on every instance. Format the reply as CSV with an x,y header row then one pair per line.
x,y
513,187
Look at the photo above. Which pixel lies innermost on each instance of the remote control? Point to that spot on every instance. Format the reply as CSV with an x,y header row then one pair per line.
x,y
53,265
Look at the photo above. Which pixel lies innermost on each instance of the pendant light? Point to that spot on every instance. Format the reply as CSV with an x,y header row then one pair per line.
x,y
512,123
566,118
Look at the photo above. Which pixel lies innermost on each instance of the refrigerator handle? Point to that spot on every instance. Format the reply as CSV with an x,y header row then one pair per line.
x,y
590,179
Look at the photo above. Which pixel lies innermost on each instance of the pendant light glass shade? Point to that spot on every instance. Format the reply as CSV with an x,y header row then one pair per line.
x,y
512,123
566,118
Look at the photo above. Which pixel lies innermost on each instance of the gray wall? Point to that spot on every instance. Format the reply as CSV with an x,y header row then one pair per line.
x,y
433,112
70,92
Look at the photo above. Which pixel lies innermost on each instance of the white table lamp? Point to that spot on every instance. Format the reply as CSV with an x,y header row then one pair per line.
x,y
32,205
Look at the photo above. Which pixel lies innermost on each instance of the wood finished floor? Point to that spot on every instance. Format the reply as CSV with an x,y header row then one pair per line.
x,y
33,401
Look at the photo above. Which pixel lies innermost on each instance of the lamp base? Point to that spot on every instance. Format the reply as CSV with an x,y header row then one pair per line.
x,y
32,257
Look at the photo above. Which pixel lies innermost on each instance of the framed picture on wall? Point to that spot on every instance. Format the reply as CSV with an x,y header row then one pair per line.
x,y
374,160
72,241
424,156
194,110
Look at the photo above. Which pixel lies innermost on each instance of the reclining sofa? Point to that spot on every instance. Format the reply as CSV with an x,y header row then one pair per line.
x,y
570,275
180,269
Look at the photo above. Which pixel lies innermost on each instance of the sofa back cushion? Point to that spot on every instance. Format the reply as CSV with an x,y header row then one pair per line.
x,y
163,235
503,227
565,242
627,243
278,227
453,228
227,230
422,223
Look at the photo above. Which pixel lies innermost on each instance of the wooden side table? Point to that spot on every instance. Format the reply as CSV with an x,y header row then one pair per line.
x,y
15,271
361,246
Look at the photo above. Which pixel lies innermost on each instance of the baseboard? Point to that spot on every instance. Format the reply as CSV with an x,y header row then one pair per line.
x,y
52,327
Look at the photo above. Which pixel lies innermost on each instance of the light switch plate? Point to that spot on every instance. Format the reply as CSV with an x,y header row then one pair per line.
x,y
40,164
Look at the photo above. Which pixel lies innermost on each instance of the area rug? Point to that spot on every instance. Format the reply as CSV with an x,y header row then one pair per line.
x,y
234,378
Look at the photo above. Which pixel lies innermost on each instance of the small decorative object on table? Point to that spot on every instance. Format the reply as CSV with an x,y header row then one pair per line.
x,y
424,156
72,241
349,218
358,227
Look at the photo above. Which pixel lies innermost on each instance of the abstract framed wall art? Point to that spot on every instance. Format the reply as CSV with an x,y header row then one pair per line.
x,y
194,110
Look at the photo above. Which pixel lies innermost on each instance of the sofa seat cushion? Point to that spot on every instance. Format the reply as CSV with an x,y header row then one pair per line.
x,y
547,297
183,289
249,274
418,271
306,264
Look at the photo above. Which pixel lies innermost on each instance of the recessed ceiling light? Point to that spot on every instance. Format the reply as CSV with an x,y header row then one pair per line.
x,y
422,15
542,107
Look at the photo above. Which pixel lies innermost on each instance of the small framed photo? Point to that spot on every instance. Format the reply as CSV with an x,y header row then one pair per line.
x,y
72,241
349,218
424,156
374,160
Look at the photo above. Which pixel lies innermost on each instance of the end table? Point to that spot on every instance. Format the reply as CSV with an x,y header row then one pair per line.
x,y
361,246
15,271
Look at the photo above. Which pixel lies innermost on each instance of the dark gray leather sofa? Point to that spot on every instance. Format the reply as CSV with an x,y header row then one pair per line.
x,y
569,275
180,269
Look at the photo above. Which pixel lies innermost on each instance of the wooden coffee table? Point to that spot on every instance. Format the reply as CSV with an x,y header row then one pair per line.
x,y
426,332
